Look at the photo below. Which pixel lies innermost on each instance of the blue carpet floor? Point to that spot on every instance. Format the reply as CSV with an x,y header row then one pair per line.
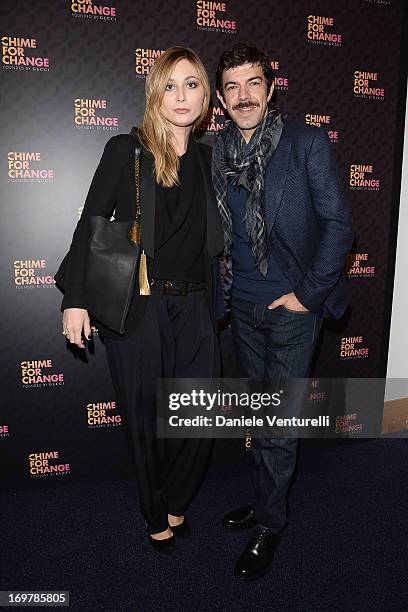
x,y
345,548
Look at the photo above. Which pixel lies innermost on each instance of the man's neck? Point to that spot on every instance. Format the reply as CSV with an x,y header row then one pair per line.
x,y
247,134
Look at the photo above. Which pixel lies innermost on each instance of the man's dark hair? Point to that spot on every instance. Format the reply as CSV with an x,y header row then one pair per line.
x,y
243,54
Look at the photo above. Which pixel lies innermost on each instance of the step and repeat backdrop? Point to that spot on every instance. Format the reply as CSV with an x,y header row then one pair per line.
x,y
73,75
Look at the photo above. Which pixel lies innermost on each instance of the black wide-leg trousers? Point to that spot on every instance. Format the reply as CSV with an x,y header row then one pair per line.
x,y
176,339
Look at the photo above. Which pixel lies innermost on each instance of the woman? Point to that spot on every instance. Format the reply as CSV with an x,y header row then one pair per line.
x,y
171,332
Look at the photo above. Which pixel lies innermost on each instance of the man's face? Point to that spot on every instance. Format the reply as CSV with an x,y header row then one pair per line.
x,y
245,97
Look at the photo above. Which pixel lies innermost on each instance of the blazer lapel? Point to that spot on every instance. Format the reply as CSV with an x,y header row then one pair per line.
x,y
215,239
275,179
147,200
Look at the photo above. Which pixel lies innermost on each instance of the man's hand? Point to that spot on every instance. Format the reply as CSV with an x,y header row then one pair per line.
x,y
75,320
288,301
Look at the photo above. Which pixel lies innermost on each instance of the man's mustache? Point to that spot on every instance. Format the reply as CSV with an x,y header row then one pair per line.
x,y
247,104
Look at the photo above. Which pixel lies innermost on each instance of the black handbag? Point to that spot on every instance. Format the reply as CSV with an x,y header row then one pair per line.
x,y
114,257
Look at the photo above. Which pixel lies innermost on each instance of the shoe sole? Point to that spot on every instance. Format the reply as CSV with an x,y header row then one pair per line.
x,y
247,579
166,549
182,534
240,527
183,530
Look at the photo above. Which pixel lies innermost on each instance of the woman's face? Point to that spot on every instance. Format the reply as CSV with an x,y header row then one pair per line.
x,y
184,95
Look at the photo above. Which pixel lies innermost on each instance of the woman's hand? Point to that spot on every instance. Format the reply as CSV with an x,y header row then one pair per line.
x,y
74,321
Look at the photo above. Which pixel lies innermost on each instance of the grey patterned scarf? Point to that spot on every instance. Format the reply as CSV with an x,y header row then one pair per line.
x,y
243,164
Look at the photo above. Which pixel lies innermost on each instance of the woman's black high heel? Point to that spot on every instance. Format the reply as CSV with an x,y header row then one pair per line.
x,y
183,530
164,546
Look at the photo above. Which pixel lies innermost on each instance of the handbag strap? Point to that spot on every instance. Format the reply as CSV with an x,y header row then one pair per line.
x,y
137,182
144,287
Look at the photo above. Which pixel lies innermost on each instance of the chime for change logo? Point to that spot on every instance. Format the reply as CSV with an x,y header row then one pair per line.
x,y
86,9
348,423
144,60
211,17
30,273
358,266
281,82
102,414
88,115
38,373
213,121
361,179
319,31
25,167
19,53
322,120
316,393
4,430
353,347
366,85
47,463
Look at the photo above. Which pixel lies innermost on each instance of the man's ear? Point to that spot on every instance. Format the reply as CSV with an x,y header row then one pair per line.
x,y
221,99
271,92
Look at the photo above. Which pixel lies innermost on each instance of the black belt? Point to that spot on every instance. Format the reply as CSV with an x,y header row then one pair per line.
x,y
175,287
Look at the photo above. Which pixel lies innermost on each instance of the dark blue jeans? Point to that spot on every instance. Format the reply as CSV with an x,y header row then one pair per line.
x,y
273,343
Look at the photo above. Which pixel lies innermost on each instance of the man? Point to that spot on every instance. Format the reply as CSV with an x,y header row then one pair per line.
x,y
287,230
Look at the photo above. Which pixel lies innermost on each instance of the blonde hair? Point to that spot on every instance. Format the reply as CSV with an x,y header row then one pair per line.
x,y
155,130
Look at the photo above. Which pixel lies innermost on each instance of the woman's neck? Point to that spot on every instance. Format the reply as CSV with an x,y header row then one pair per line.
x,y
180,136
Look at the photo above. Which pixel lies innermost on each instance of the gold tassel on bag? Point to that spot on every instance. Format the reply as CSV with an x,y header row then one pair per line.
x,y
144,287
135,236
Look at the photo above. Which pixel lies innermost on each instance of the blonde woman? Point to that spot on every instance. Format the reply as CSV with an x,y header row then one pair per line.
x,y
171,332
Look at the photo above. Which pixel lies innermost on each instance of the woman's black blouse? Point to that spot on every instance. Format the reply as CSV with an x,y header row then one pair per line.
x,y
180,224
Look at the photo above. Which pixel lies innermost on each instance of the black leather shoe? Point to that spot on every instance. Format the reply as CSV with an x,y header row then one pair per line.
x,y
256,560
242,518
183,530
166,546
